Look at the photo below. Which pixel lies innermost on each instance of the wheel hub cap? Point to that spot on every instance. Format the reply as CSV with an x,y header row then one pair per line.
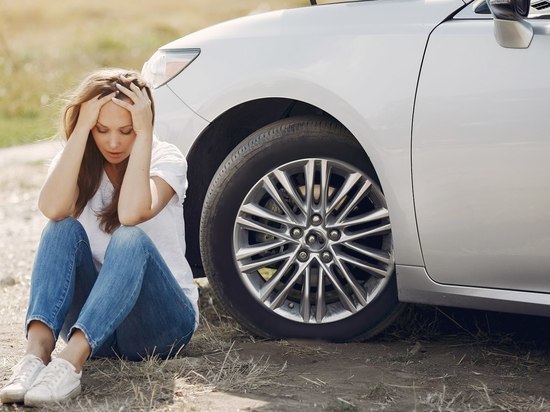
x,y
315,241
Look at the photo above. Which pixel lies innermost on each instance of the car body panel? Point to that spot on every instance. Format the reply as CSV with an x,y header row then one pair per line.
x,y
321,46
414,285
380,44
176,122
480,158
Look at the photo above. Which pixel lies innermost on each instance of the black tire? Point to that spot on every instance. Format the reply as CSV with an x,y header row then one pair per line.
x,y
266,150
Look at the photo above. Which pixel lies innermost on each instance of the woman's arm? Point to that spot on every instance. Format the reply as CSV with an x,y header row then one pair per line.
x,y
59,193
141,196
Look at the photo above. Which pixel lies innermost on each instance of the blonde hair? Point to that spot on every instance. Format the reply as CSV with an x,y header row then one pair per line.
x,y
102,83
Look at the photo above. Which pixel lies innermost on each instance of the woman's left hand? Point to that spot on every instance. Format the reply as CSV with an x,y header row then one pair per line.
x,y
139,108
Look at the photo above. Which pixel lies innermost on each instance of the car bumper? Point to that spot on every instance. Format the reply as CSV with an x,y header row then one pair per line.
x,y
175,122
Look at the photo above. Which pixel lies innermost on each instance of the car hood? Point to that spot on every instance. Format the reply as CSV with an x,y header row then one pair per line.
x,y
378,17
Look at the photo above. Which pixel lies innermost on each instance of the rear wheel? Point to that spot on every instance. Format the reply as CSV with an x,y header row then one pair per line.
x,y
296,236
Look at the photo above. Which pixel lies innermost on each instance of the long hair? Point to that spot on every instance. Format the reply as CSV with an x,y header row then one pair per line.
x,y
102,83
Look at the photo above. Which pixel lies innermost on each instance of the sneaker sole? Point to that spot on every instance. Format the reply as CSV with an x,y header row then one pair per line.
x,y
11,398
45,402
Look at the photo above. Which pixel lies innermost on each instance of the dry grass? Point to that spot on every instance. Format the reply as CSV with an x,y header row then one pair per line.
x,y
213,362
210,363
46,47
463,326
479,398
514,343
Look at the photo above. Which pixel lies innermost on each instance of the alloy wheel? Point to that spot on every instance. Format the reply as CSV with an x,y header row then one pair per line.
x,y
312,240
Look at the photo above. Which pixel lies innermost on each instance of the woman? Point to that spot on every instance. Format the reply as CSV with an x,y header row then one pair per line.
x,y
110,273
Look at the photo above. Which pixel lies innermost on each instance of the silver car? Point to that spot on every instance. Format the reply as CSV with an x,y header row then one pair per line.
x,y
344,158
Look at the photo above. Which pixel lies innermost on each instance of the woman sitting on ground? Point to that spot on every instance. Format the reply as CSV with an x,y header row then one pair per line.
x,y
110,274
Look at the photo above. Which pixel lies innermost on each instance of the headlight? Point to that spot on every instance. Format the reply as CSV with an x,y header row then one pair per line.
x,y
166,64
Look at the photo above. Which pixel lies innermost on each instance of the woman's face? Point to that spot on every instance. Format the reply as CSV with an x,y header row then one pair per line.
x,y
114,134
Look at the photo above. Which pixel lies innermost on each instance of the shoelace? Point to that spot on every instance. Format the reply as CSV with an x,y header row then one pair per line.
x,y
53,373
23,371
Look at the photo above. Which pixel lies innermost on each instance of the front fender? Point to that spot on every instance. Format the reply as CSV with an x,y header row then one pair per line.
x,y
357,61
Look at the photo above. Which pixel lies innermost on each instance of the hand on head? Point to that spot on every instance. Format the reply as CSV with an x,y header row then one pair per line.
x,y
89,110
139,107
137,102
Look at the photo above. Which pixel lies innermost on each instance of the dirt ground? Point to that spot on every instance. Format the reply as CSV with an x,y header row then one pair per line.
x,y
436,359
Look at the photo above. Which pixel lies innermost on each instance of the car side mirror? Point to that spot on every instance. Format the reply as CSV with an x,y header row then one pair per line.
x,y
514,10
511,30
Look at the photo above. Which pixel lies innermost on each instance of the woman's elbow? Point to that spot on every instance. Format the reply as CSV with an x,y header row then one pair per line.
x,y
52,212
130,219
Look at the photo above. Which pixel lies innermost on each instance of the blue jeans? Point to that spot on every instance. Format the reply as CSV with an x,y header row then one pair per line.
x,y
132,308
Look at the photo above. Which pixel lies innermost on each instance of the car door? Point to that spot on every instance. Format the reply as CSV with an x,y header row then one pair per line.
x,y
481,157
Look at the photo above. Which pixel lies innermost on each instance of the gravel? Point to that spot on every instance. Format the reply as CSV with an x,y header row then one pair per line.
x,y
23,172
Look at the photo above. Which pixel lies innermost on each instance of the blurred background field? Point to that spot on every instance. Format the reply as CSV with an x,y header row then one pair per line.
x,y
46,47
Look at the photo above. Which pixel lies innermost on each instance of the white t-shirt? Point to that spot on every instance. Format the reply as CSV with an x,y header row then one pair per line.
x,y
166,229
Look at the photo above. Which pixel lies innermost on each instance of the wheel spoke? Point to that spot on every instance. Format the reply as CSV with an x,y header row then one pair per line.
x,y
248,251
377,214
344,298
256,264
269,286
351,180
373,231
258,227
324,186
309,173
363,265
255,210
291,191
383,257
320,307
352,203
305,304
275,195
358,290
281,297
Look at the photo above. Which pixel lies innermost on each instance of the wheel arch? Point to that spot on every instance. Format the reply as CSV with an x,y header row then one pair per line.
x,y
216,141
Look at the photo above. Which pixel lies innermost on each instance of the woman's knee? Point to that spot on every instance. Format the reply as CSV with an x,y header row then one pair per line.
x,y
128,236
64,228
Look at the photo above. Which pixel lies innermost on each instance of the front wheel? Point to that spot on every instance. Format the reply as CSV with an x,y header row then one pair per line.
x,y
296,235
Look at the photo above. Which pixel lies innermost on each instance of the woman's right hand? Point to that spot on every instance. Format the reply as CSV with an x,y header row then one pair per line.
x,y
89,111
58,196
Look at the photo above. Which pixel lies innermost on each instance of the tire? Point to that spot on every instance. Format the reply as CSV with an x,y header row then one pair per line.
x,y
268,248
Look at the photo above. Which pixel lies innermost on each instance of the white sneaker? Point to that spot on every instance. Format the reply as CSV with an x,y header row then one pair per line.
x,y
24,374
57,382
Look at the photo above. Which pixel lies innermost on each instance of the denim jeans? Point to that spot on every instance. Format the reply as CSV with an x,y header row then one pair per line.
x,y
132,308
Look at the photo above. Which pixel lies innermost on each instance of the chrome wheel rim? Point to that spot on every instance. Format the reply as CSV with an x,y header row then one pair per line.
x,y
312,241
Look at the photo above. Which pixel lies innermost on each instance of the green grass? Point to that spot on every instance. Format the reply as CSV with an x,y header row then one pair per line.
x,y
47,47
20,130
